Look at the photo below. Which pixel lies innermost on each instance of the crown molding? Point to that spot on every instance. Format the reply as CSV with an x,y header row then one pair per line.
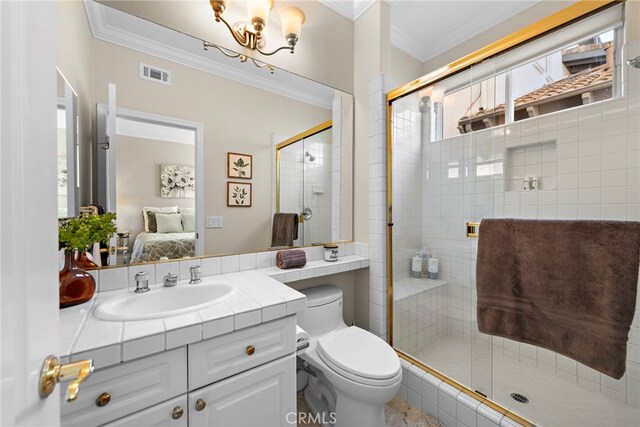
x,y
100,29
360,7
350,9
409,44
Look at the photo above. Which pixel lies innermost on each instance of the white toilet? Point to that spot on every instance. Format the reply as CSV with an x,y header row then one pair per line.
x,y
356,372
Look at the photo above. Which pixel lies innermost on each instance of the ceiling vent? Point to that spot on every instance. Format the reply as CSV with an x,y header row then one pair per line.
x,y
149,72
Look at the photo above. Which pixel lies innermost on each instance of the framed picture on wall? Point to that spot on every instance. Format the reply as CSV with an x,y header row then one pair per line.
x,y
238,194
239,166
177,181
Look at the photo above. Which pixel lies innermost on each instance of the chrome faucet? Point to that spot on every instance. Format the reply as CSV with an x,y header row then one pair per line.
x,y
170,280
195,274
142,282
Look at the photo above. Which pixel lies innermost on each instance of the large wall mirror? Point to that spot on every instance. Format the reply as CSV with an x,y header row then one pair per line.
x,y
163,124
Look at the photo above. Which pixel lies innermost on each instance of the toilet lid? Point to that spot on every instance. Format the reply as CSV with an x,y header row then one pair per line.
x,y
360,356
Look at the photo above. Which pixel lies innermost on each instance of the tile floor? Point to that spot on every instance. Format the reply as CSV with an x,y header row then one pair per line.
x,y
398,413
552,400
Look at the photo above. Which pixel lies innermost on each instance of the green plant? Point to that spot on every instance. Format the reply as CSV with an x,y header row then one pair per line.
x,y
81,232
239,195
239,167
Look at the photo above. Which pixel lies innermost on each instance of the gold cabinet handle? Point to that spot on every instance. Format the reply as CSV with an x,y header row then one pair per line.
x,y
103,399
250,350
200,405
177,413
53,372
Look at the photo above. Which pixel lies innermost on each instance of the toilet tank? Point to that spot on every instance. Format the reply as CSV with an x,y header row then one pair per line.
x,y
324,310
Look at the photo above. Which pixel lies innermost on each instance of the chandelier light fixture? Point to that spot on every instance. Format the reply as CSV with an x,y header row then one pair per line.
x,y
250,34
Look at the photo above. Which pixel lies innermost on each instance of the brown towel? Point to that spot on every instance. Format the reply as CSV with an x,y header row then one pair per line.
x,y
285,229
568,286
291,259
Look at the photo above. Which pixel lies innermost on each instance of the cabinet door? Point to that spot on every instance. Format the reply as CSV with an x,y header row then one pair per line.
x,y
118,391
172,413
262,397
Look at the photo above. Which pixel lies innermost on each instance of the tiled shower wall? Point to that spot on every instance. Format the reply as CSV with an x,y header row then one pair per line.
x,y
594,174
407,188
304,183
317,190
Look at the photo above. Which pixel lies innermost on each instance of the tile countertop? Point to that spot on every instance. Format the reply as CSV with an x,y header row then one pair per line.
x,y
258,299
261,296
316,268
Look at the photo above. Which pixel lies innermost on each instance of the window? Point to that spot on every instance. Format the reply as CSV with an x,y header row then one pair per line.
x,y
571,67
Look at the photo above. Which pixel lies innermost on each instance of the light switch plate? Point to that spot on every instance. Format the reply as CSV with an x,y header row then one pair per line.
x,y
214,222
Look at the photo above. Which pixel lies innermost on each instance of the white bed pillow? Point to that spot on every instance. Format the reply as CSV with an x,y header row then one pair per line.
x,y
186,210
169,222
164,209
188,222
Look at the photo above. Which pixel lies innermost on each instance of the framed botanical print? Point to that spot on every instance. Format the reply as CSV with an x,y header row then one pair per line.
x,y
239,166
238,194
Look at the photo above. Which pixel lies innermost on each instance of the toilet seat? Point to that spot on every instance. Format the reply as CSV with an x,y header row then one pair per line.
x,y
359,356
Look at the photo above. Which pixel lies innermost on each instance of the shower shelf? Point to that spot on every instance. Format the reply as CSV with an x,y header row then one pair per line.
x,y
409,287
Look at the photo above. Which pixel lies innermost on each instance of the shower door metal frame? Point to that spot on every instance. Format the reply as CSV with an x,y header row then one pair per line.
x,y
565,16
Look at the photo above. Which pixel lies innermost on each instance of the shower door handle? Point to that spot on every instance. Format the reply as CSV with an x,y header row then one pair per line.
x,y
307,213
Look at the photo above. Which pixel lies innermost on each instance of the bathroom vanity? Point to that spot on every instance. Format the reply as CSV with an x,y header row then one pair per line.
x,y
232,363
202,367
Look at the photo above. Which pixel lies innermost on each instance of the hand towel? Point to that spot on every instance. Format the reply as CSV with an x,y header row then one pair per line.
x,y
285,229
567,286
291,259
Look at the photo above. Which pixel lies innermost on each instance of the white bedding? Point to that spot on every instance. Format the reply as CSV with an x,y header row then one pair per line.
x,y
156,246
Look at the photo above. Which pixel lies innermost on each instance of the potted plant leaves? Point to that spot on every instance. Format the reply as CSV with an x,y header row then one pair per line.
x,y
78,235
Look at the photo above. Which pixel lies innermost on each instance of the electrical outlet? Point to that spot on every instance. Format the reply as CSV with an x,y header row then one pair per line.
x,y
214,222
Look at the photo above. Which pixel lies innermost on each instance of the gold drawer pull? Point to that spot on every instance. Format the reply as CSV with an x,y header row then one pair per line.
x,y
250,350
200,405
177,413
103,400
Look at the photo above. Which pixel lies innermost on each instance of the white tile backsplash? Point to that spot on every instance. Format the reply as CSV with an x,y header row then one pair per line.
x,y
230,264
112,279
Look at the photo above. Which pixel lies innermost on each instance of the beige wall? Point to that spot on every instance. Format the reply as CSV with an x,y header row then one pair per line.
x,y
324,52
74,47
138,163
535,13
403,68
236,118
367,64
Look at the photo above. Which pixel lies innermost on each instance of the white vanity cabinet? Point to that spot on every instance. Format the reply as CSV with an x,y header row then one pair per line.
x,y
172,413
264,396
112,393
244,378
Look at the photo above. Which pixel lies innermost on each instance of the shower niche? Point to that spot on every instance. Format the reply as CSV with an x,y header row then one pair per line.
x,y
531,167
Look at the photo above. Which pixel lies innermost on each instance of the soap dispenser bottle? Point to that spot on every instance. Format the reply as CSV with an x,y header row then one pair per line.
x,y
424,255
416,266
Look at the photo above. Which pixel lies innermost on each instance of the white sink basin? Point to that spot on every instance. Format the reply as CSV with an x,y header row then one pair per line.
x,y
163,302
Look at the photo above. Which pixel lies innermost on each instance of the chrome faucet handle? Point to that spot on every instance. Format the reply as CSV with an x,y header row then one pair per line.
x,y
195,274
142,282
170,280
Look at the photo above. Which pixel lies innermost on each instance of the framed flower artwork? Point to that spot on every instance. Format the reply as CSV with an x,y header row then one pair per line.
x,y
177,181
238,194
239,166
